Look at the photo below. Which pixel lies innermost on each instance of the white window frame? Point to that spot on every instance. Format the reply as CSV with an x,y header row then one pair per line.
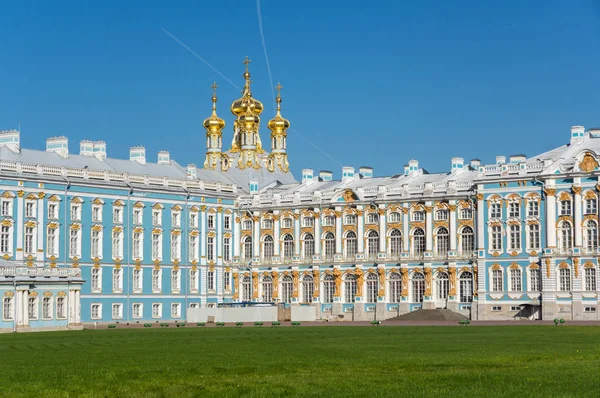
x,y
175,280
53,210
117,280
175,310
96,213
118,314
156,310
137,310
96,311
30,208
96,279
6,209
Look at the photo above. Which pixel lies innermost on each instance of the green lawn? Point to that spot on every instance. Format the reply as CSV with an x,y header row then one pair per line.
x,y
510,361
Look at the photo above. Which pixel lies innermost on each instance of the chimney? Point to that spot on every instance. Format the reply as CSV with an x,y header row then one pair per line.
x,y
59,145
413,166
347,173
93,148
458,165
406,170
500,159
138,154
594,132
192,171
253,184
475,163
577,133
164,157
10,139
517,158
307,176
326,175
365,171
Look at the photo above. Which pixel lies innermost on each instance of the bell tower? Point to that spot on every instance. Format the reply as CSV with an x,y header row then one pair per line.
x,y
278,126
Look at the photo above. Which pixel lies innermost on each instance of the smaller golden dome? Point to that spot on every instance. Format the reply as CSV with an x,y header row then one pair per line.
x,y
214,123
278,124
246,103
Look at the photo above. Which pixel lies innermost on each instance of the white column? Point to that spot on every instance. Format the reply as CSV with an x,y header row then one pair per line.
x,y
276,234
71,306
235,240
21,314
40,230
453,225
256,235
219,239
20,223
338,231
318,233
551,218
382,235
405,231
202,239
577,212
428,227
480,222
296,234
361,231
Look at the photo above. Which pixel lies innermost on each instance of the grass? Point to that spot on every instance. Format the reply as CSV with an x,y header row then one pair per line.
x,y
504,361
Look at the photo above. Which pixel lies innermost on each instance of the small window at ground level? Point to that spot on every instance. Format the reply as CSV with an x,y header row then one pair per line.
x,y
496,308
590,309
515,308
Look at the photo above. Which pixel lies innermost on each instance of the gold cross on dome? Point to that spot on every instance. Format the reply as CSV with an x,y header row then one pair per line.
x,y
214,86
246,61
278,88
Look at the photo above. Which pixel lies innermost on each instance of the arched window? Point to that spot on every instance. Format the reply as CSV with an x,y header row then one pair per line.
x,y
287,288
328,289
442,242
372,288
534,280
591,235
442,285
418,287
267,289
590,279
467,240
466,287
309,247
564,279
394,217
497,285
514,240
372,244
308,289
418,242
349,288
395,284
246,288
395,243
268,248
565,236
247,246
350,245
515,280
329,246
288,247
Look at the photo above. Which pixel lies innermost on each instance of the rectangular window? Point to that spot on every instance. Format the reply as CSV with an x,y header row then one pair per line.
x,y
194,281
156,218
175,221
175,281
137,216
7,308
156,280
117,246
96,280
590,309
227,280
137,310
96,213
514,209
75,212
175,310
533,208
418,216
137,280
6,208
29,245
534,236
117,215
29,209
117,280
495,210
137,245
117,311
496,308
156,310
52,211
227,222
496,280
591,206
210,280
175,247
74,243
210,248
96,311
515,308
32,308
95,244
496,238
565,207
61,309
226,249
193,248
211,221
156,247
4,239
515,237
194,220
47,308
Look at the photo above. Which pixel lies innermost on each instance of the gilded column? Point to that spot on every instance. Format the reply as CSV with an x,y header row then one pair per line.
x,y
577,213
550,217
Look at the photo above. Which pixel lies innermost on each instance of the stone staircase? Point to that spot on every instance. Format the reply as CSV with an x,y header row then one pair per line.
x,y
430,315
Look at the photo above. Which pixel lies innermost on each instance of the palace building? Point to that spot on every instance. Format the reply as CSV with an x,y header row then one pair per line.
x,y
88,238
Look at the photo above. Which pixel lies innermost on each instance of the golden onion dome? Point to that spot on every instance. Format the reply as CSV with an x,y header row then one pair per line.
x,y
278,123
246,104
214,122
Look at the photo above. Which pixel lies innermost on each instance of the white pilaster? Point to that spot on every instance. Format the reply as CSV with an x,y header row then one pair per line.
x,y
276,232
318,234
577,213
480,222
235,240
20,224
428,227
453,226
361,230
296,233
41,227
202,239
256,235
551,215
382,235
405,230
338,231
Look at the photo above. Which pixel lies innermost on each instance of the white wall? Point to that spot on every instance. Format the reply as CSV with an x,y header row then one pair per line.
x,y
304,313
233,314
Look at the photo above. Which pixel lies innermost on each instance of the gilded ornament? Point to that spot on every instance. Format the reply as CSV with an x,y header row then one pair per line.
x,y
360,278
41,195
479,196
381,273
20,194
236,293
404,273
349,196
9,294
589,195
337,274
427,281
452,280
550,191
295,283
576,266
588,163
547,260
8,195
576,190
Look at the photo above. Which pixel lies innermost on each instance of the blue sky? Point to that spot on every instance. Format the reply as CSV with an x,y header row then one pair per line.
x,y
370,85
